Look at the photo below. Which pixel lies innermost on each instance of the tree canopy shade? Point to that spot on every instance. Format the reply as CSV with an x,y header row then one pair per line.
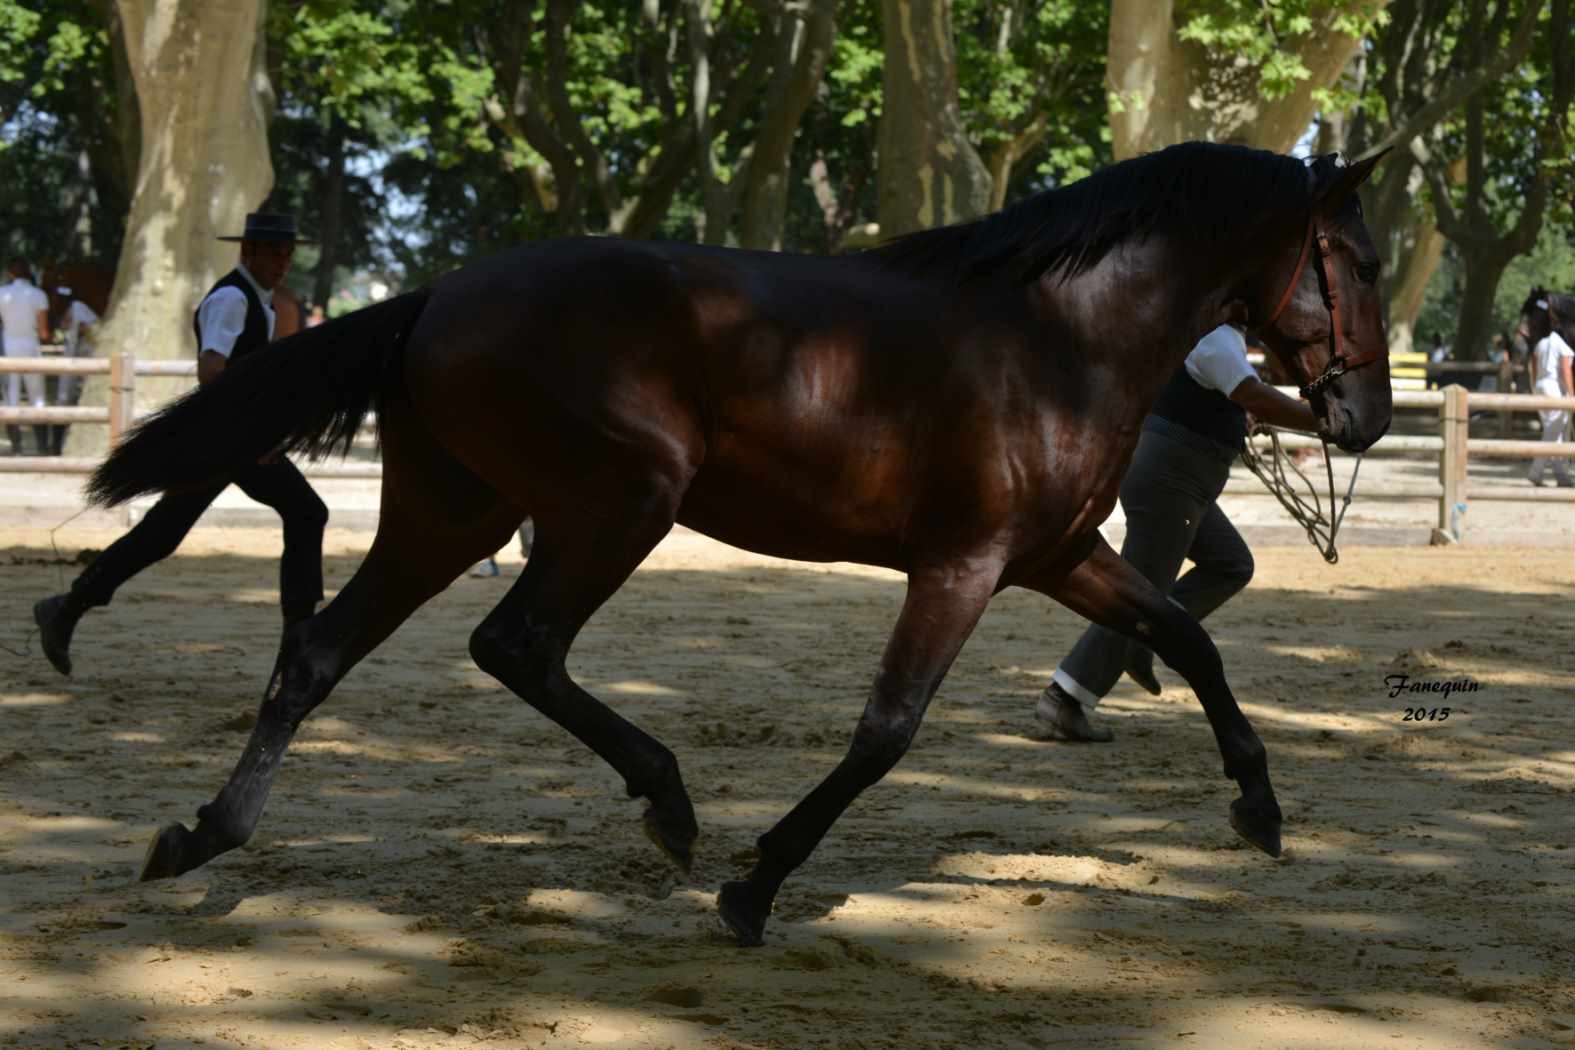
x,y
413,135
1228,70
69,130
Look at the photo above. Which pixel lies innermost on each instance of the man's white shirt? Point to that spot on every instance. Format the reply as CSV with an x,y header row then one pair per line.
x,y
1219,361
20,302
222,316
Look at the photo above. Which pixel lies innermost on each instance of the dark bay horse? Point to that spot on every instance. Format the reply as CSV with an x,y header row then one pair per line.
x,y
1544,312
89,281
952,406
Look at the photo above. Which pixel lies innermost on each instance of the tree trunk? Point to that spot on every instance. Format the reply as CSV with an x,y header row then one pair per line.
x,y
1474,325
1165,90
1484,249
333,198
1408,242
929,173
203,96
805,45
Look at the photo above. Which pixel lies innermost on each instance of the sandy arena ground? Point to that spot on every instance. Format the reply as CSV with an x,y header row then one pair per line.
x,y
441,867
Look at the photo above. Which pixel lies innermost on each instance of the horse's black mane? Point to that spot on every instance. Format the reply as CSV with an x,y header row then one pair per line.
x,y
1200,191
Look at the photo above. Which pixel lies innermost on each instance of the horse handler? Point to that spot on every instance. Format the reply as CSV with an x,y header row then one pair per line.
x,y
235,318
1190,439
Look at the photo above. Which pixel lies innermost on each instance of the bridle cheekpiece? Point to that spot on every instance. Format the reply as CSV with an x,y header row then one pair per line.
x,y
1339,362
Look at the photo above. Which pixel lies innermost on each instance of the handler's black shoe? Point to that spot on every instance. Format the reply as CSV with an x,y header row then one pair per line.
x,y
1140,668
56,618
1061,717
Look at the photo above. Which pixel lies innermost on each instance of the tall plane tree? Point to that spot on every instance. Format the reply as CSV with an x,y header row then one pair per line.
x,y
1226,70
203,96
929,172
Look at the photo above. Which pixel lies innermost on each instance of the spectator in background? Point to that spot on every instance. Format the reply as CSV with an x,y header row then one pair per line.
x,y
74,326
1551,360
315,316
1436,356
1520,362
24,315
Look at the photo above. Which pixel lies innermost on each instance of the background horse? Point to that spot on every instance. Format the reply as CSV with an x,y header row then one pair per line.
x,y
1545,311
89,281
951,406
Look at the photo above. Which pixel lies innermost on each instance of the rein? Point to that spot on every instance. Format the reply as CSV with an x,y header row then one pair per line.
x,y
1307,511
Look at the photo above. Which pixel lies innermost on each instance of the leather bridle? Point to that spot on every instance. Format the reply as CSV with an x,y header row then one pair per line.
x,y
1339,362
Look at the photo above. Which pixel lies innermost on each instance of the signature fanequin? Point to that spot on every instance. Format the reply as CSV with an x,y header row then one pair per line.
x,y
1402,683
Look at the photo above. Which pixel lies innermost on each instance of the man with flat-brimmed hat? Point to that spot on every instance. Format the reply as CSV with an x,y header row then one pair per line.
x,y
233,320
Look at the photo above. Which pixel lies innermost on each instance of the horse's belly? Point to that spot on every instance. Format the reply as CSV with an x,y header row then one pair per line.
x,y
804,500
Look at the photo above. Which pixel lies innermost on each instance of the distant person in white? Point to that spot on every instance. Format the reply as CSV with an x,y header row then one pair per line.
x,y
1550,371
24,313
75,329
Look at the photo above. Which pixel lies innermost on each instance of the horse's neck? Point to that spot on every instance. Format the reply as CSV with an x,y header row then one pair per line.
x,y
1139,327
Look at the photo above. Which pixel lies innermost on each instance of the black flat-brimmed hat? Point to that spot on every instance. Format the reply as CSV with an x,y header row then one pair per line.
x,y
269,226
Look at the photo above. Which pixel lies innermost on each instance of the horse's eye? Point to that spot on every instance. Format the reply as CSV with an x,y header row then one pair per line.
x,y
1367,272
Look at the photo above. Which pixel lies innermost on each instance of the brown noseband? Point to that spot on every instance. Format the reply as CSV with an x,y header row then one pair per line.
x,y
1339,363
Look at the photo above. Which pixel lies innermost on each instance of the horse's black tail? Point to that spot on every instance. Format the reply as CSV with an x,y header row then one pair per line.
x,y
308,392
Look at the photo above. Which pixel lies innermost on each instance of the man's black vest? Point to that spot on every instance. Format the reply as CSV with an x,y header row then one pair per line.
x,y
254,336
1188,403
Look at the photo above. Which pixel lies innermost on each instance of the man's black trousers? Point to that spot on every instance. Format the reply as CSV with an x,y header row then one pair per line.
x,y
278,485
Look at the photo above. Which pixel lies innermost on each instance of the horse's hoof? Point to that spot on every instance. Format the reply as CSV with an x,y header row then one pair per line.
x,y
673,835
739,915
1258,826
162,861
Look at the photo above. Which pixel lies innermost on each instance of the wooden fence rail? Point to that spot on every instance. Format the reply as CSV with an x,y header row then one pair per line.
x,y
1453,444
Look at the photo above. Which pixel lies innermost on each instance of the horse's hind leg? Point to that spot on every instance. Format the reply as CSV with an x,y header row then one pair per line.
x,y
1107,590
940,611
574,567
417,552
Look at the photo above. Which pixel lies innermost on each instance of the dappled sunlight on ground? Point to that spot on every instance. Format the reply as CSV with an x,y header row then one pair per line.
x,y
441,867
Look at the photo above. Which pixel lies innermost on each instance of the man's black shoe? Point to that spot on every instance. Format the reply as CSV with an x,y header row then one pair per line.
x,y
56,618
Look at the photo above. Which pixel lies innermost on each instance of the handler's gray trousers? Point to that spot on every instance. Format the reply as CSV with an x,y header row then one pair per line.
x,y
1169,498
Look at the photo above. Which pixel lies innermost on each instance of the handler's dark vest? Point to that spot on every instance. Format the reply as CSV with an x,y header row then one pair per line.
x,y
1209,413
254,336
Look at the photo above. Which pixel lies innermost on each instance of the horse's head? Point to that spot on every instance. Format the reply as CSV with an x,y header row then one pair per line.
x,y
1320,311
1535,321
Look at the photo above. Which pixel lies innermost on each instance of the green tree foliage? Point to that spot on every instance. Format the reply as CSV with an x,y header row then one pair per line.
x,y
64,176
1519,172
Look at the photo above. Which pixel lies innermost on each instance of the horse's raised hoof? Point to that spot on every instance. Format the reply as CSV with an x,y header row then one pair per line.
x,y
673,834
740,916
163,859
1257,825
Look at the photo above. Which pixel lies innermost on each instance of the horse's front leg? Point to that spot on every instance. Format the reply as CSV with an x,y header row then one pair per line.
x,y
941,609
1104,588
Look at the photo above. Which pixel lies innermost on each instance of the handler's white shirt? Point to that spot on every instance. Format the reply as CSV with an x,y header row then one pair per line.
x,y
222,316
20,302
1219,361
1547,354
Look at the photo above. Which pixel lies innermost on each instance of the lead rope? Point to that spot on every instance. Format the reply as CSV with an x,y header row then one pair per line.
x,y
1307,510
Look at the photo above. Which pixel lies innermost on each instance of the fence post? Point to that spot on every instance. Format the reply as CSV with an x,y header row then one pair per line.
x,y
1454,423
1506,385
122,396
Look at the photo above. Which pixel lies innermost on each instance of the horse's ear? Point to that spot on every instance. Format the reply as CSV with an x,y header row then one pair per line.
x,y
1333,194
